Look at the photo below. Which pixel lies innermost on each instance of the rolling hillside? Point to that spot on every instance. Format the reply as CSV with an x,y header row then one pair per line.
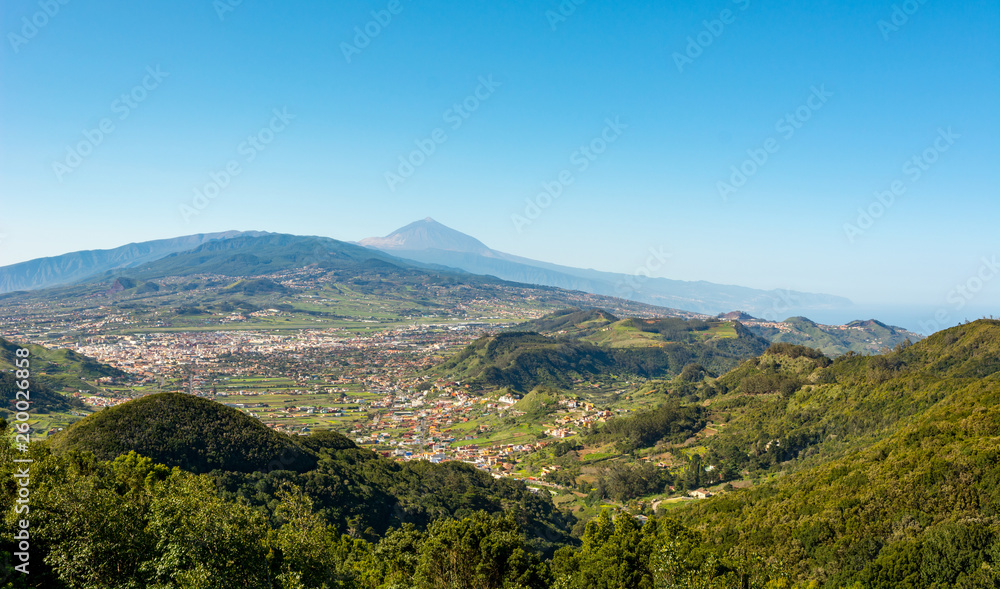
x,y
599,348
52,371
891,461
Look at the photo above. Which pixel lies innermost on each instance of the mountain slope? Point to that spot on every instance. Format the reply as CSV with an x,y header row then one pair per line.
x,y
59,369
51,371
430,242
427,234
648,348
898,464
75,266
253,255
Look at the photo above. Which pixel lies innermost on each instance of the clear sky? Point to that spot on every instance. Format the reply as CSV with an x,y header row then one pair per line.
x,y
638,115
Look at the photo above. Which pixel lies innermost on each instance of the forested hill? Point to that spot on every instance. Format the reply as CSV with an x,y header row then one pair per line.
x,y
247,459
523,360
182,430
894,479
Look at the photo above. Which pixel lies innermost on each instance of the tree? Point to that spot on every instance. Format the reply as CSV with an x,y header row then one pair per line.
x,y
312,553
203,540
478,552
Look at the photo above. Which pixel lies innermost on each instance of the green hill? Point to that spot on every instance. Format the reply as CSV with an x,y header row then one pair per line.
x,y
570,321
894,479
59,369
43,399
601,345
195,434
51,371
524,360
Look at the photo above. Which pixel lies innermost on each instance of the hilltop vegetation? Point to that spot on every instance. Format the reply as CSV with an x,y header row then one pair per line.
x,y
185,431
878,470
521,361
599,345
133,523
902,489
574,321
43,399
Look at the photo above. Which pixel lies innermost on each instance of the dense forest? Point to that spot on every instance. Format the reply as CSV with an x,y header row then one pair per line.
x,y
855,472
355,521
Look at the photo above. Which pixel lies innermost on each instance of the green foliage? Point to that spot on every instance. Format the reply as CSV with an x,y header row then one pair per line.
x,y
793,351
43,399
523,360
618,553
327,440
670,421
627,481
899,485
478,552
51,371
890,477
693,373
203,540
574,320
186,431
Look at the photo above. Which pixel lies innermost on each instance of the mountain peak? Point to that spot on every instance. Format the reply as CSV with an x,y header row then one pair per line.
x,y
428,234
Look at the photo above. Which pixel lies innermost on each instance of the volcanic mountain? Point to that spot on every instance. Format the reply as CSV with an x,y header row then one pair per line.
x,y
431,242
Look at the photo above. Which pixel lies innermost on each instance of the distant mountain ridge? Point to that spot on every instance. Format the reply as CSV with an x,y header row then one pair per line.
x,y
76,266
863,337
431,242
423,244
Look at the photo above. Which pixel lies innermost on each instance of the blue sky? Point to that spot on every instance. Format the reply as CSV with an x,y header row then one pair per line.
x,y
674,96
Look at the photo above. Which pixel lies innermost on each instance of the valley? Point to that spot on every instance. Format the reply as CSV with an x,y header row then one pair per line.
x,y
588,404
